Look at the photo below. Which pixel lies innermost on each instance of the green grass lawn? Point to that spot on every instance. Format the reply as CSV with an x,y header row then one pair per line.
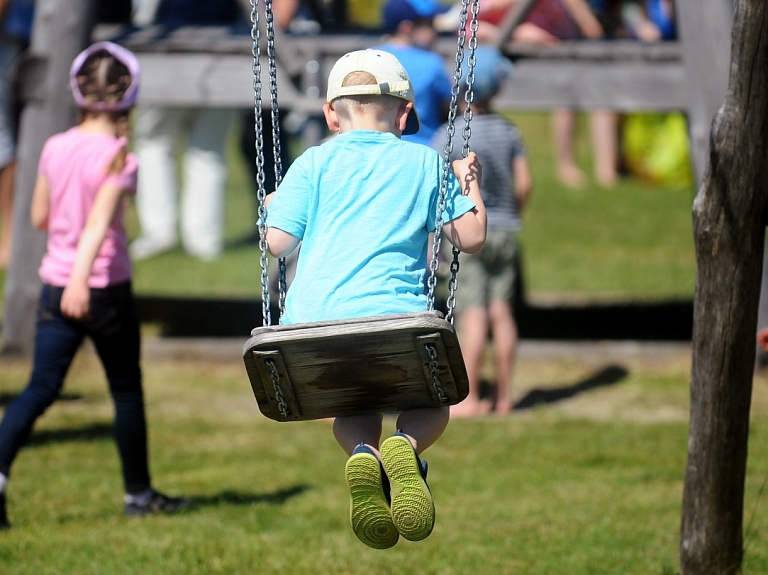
x,y
633,242
588,485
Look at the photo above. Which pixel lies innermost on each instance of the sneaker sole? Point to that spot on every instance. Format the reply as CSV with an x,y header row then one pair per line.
x,y
369,511
413,510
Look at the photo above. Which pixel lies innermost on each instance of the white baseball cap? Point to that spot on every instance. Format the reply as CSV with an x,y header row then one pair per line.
x,y
391,79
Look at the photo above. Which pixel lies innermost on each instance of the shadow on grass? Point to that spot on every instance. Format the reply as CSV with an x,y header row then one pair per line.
x,y
85,433
278,497
6,398
608,375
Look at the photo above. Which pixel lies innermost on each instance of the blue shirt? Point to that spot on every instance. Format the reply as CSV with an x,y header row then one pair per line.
x,y
363,204
431,85
18,20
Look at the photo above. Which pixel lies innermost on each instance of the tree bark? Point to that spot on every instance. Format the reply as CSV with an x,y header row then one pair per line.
x,y
61,29
729,228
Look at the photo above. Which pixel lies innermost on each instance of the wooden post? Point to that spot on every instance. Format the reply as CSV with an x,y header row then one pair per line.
x,y
729,227
61,29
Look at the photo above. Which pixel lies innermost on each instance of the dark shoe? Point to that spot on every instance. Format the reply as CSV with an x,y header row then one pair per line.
x,y
369,500
158,503
4,523
413,510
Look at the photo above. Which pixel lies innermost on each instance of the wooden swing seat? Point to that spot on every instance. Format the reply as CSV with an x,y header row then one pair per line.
x,y
351,367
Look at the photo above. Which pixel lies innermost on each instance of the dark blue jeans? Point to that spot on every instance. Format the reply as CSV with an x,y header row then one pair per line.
x,y
113,326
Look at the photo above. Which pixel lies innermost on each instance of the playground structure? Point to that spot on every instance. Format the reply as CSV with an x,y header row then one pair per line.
x,y
214,67
688,75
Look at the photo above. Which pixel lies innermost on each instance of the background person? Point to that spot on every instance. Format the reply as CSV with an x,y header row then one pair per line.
x,y
488,277
84,177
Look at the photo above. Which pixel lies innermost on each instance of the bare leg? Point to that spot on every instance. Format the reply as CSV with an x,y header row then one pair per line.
x,y
423,426
6,211
563,129
504,336
604,125
350,431
474,336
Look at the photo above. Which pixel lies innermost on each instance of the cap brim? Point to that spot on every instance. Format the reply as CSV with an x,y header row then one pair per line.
x,y
412,123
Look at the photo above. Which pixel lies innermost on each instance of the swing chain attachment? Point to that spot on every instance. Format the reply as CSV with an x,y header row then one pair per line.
x,y
434,372
282,405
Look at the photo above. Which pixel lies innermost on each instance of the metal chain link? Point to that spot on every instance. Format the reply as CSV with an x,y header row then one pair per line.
x,y
259,143
466,132
434,372
448,150
276,143
282,405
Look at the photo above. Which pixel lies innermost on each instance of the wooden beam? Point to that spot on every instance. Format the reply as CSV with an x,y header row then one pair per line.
x,y
215,69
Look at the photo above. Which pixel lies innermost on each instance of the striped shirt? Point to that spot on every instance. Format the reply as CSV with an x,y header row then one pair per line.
x,y
497,142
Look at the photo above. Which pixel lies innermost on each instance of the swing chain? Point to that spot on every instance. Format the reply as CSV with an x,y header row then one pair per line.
x,y
434,372
276,141
453,285
466,132
259,143
448,150
282,405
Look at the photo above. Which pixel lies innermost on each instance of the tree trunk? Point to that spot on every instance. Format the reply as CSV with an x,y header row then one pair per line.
x,y
61,30
729,229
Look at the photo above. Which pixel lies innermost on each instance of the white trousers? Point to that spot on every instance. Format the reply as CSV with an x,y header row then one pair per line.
x,y
158,133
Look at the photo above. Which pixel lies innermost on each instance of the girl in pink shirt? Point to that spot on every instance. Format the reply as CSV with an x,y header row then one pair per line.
x,y
84,177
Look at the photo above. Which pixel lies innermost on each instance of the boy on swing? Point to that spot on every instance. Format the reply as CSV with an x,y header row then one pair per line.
x,y
363,205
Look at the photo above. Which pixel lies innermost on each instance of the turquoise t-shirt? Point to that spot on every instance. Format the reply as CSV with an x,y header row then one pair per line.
x,y
363,204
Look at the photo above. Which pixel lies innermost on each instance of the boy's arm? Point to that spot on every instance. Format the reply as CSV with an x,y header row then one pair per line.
x,y
76,297
467,232
279,242
523,180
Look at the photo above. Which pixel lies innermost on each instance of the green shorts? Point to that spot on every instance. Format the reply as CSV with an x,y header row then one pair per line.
x,y
490,274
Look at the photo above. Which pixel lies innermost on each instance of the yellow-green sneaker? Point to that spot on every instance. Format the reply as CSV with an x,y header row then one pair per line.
x,y
413,510
369,500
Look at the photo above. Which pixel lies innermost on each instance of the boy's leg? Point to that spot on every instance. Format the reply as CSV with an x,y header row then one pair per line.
x,y
473,327
473,332
504,336
369,511
423,426
413,510
351,431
